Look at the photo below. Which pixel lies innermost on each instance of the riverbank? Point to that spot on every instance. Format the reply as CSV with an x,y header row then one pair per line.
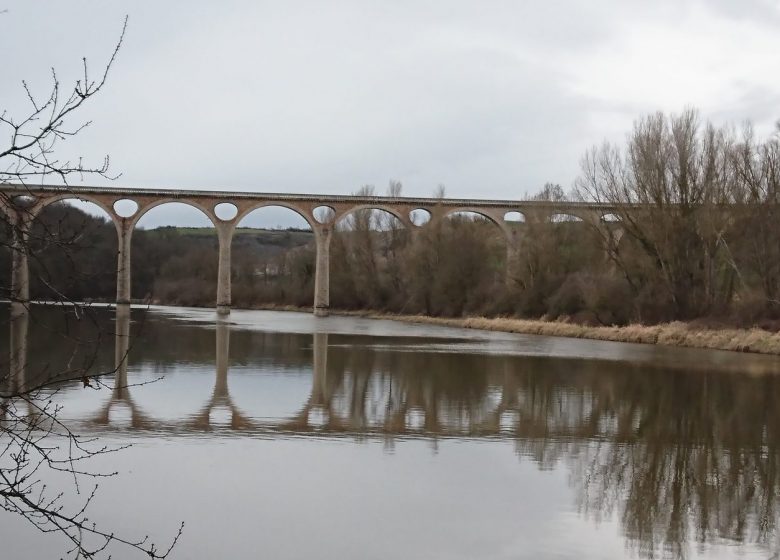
x,y
666,334
677,333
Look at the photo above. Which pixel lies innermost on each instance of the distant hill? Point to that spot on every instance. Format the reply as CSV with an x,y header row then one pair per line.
x,y
258,241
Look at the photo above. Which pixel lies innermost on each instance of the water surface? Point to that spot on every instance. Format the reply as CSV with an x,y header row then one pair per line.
x,y
278,435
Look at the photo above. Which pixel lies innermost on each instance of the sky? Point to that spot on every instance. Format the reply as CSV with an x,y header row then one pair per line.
x,y
490,99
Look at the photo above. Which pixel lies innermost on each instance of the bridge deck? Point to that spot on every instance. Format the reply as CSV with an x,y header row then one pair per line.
x,y
288,197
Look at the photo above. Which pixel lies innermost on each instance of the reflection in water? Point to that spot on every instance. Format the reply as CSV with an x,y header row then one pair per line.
x,y
320,398
17,355
13,380
120,393
677,457
220,397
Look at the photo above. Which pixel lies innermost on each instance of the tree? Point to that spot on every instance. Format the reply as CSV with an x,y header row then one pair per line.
x,y
34,439
756,168
369,242
670,187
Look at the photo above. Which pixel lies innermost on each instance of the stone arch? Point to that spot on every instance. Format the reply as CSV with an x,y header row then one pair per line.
x,y
510,235
514,217
420,216
564,216
322,238
368,240
263,255
245,211
141,280
97,211
225,209
397,214
482,213
46,201
143,209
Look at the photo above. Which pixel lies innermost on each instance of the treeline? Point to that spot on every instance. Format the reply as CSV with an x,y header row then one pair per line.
x,y
698,205
694,235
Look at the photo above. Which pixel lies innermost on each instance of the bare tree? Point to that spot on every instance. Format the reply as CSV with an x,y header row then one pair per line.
x,y
29,153
756,188
33,439
670,188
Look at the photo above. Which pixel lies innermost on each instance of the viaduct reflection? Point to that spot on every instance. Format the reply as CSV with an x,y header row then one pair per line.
x,y
677,457
220,396
120,392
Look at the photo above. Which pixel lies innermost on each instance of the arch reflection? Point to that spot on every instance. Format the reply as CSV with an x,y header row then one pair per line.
x,y
677,457
120,392
220,396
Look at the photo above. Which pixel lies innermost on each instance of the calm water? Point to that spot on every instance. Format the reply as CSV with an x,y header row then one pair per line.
x,y
277,435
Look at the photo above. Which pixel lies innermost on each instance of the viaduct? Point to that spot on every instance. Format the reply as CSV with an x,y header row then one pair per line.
x,y
125,207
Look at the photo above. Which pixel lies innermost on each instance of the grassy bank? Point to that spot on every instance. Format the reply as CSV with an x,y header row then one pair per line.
x,y
666,334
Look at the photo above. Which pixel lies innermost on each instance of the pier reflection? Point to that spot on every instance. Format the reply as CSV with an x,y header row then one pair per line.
x,y
19,322
220,396
120,391
14,370
678,457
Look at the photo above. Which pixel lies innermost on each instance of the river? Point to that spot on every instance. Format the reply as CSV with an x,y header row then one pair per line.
x,y
278,435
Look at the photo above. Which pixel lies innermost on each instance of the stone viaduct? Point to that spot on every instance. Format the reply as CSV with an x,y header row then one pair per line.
x,y
22,203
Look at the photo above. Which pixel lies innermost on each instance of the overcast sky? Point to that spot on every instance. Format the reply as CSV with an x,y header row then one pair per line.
x,y
490,99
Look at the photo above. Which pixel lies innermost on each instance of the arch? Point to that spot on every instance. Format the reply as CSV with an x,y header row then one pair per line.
x,y
87,207
564,217
44,202
117,413
300,211
482,214
23,200
122,207
144,209
367,247
10,207
225,211
420,216
610,218
510,236
514,217
324,214
176,254
269,244
83,204
274,208
404,220
87,268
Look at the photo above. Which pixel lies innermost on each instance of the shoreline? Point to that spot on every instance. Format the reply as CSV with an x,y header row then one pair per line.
x,y
678,333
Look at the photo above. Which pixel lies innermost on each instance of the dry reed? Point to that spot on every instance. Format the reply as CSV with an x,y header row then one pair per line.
x,y
666,334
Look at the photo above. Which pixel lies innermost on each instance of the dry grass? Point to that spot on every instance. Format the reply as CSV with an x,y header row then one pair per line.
x,y
666,334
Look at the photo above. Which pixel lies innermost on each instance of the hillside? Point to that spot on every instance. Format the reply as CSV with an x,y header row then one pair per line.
x,y
261,242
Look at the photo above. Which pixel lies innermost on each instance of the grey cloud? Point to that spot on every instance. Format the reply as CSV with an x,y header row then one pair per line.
x,y
492,100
